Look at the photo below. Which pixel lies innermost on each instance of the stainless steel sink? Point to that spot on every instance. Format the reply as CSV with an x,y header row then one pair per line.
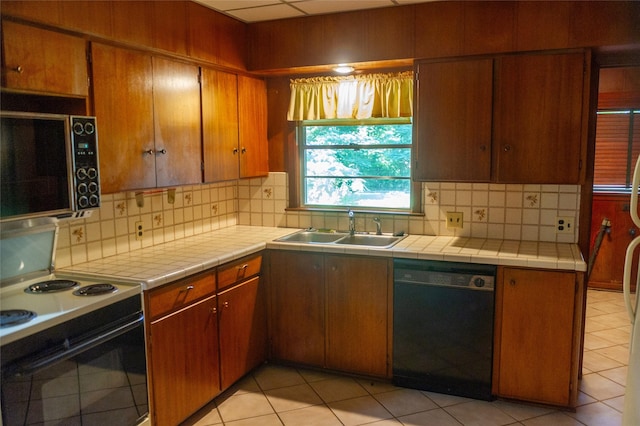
x,y
342,238
312,237
370,240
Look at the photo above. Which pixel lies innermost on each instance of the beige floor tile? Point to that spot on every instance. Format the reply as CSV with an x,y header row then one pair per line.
x,y
268,420
317,415
315,376
444,400
553,419
600,387
359,411
338,389
618,375
615,403
374,386
402,402
596,362
274,376
207,415
292,397
238,407
479,413
598,414
437,417
521,411
617,336
619,353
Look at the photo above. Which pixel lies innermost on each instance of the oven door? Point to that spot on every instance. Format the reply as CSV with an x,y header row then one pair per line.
x,y
90,370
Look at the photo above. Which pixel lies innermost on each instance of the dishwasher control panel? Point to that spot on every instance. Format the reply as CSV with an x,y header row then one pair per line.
x,y
448,279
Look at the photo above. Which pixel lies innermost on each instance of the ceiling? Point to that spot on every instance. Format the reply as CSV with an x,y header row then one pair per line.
x,y
267,10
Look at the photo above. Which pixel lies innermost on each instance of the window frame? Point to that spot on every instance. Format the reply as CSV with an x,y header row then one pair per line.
x,y
297,190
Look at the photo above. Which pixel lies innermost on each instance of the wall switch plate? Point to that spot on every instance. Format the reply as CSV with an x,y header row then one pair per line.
x,y
454,220
139,231
565,224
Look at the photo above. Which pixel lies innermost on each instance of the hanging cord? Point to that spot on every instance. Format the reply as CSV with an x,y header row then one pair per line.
x,y
605,227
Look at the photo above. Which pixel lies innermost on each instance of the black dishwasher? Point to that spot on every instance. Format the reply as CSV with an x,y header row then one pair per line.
x,y
443,327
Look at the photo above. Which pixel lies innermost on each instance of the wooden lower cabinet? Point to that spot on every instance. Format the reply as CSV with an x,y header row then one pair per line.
x,y
330,311
183,361
243,330
538,333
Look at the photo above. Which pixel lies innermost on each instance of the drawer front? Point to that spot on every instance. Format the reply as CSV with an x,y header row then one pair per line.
x,y
174,296
239,270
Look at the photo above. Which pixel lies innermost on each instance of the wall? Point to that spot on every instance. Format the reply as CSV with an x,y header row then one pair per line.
x,y
514,212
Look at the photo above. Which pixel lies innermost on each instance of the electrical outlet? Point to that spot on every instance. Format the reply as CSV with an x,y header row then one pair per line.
x,y
139,231
564,224
454,220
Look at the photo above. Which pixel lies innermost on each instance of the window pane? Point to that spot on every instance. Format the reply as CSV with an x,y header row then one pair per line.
x,y
359,162
359,135
385,193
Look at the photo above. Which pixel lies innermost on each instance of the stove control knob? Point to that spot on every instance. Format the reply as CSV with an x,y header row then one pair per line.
x,y
82,188
83,202
478,282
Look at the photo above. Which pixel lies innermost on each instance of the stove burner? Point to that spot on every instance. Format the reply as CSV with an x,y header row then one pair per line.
x,y
12,317
50,286
95,289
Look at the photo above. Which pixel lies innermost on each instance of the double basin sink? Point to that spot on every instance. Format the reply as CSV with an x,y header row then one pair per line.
x,y
313,236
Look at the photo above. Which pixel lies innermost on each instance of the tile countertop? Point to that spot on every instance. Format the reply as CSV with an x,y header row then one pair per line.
x,y
164,263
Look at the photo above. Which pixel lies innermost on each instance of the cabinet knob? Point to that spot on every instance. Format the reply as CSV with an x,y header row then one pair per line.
x,y
512,281
506,148
149,152
235,151
242,267
226,304
483,148
632,232
162,151
243,150
187,288
18,69
214,310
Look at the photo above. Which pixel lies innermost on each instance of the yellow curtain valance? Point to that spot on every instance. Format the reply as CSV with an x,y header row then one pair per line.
x,y
359,97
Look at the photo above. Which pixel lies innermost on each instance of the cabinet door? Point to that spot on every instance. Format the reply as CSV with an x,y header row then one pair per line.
x,y
184,362
536,335
32,60
357,306
296,287
538,113
453,121
123,105
219,125
176,112
243,333
252,117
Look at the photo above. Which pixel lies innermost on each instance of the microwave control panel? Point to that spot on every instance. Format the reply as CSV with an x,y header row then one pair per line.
x,y
86,176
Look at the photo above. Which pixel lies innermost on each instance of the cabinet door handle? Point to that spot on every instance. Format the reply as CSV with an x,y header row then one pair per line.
x,y
235,151
18,69
162,151
245,266
512,281
187,288
214,310
226,304
243,150
632,232
506,148
483,148
149,152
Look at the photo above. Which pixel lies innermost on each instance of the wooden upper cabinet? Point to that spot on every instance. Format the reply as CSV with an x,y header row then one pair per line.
x,y
123,105
438,26
169,26
133,22
453,121
488,27
88,16
220,125
32,61
46,11
176,117
538,118
252,118
216,38
540,28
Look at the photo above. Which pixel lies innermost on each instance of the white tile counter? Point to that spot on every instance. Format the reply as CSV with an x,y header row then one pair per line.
x,y
161,264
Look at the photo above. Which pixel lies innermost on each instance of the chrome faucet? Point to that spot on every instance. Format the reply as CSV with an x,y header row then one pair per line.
x,y
352,222
378,225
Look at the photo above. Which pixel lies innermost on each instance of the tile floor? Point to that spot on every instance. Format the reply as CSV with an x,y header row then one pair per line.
x,y
275,395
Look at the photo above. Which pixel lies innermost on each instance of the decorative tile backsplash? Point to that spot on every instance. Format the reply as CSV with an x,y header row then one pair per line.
x,y
513,212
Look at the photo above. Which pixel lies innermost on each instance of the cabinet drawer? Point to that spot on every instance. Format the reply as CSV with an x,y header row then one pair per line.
x,y
239,270
174,296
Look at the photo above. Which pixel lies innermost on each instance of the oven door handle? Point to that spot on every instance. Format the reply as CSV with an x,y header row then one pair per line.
x,y
38,363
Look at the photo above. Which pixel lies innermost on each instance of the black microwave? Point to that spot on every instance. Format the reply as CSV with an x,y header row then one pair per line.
x,y
48,165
